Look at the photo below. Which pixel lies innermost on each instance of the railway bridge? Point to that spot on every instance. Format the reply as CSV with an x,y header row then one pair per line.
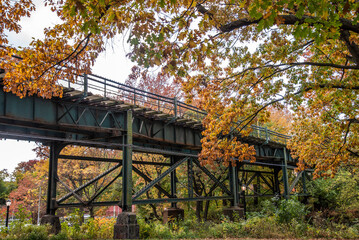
x,y
102,113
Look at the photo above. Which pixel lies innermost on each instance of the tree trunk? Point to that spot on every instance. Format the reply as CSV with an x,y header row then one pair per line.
x,y
199,209
206,208
92,212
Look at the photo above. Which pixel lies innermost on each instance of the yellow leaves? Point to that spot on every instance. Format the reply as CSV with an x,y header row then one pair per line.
x,y
192,43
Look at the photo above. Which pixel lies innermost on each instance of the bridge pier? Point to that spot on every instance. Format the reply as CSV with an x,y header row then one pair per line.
x,y
51,206
234,211
126,226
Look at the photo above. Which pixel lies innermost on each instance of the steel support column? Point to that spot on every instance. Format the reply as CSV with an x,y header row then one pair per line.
x,y
173,183
127,166
190,177
55,149
126,226
233,178
285,174
51,204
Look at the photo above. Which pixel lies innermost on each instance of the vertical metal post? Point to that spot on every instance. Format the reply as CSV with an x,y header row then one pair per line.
x,y
175,106
104,88
85,85
7,217
52,182
190,177
285,174
256,189
233,178
173,182
244,203
127,166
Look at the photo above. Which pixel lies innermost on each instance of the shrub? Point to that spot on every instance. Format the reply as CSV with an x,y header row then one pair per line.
x,y
290,209
263,227
28,232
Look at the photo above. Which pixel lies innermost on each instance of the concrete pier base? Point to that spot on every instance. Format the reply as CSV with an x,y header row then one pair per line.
x,y
52,220
233,213
172,214
126,226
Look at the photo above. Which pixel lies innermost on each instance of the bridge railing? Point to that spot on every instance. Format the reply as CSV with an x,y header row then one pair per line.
x,y
137,97
172,106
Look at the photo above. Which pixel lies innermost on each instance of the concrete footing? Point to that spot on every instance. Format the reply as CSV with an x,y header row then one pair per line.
x,y
126,226
172,214
52,220
233,213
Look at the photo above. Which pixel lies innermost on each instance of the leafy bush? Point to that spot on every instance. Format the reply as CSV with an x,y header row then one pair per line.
x,y
263,227
338,193
290,209
28,232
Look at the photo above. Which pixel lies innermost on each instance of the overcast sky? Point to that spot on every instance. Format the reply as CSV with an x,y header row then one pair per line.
x,y
111,64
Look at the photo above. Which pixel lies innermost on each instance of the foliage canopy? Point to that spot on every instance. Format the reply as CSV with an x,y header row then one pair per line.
x,y
236,57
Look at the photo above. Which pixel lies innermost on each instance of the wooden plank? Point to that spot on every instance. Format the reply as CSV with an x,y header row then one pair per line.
x,y
124,105
66,89
191,122
73,93
151,112
161,115
93,98
182,120
110,102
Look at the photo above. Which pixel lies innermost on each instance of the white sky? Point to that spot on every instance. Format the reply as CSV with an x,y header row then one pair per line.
x,y
111,64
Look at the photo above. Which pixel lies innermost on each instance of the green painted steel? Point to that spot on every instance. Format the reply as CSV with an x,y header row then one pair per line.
x,y
285,175
127,166
103,113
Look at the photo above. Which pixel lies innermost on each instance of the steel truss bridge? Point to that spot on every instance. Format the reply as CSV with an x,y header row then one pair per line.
x,y
98,112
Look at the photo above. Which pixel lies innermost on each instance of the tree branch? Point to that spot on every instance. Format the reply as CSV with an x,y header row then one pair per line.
x,y
355,154
320,65
352,47
289,19
73,54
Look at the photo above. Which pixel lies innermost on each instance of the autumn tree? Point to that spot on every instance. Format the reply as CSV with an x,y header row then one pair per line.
x,y
243,57
238,57
159,83
30,179
279,120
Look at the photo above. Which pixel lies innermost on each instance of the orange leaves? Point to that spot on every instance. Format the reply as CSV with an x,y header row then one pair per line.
x,y
220,143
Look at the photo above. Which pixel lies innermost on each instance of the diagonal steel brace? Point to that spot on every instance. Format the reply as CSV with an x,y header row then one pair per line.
x,y
159,178
88,183
209,174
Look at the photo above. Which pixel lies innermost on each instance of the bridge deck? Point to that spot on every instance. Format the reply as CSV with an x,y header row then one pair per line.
x,y
92,112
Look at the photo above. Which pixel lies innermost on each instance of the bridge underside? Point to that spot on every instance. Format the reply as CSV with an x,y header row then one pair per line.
x,y
80,120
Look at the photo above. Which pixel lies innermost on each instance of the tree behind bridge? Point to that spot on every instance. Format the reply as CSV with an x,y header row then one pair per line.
x,y
238,57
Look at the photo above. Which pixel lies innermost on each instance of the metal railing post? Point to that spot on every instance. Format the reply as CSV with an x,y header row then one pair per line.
x,y
85,85
104,88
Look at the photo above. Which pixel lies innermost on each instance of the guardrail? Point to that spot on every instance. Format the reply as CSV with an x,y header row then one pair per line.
x,y
118,91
